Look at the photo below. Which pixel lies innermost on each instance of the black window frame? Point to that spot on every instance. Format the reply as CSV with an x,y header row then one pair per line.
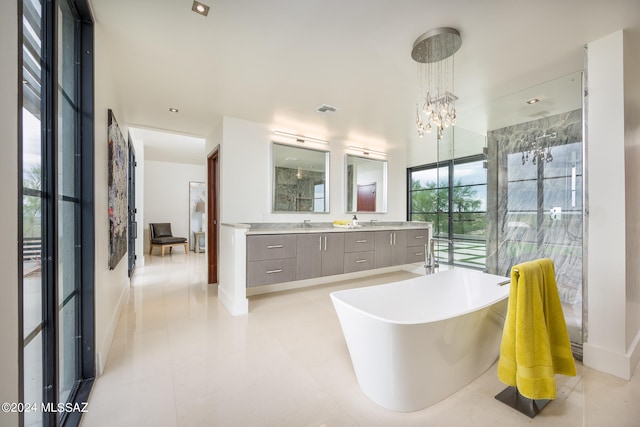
x,y
450,211
84,198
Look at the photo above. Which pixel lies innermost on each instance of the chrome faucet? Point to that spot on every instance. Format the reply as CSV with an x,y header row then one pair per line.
x,y
430,260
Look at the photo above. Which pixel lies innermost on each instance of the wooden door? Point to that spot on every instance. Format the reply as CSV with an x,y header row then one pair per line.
x,y
213,187
367,198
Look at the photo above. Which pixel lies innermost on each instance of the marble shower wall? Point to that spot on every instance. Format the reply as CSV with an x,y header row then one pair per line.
x,y
295,190
523,227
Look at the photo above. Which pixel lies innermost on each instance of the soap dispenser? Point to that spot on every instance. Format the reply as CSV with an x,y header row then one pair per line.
x,y
354,221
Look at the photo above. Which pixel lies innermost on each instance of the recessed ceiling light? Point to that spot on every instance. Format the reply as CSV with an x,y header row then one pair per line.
x,y
173,110
200,8
533,101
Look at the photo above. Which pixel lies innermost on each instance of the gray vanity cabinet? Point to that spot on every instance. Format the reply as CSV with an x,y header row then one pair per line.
x,y
416,239
391,248
271,259
278,258
359,249
319,255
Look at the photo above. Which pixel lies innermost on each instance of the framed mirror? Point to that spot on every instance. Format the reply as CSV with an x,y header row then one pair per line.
x,y
197,198
366,184
300,179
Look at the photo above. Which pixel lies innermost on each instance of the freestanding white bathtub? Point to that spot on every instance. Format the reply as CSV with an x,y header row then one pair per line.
x,y
413,343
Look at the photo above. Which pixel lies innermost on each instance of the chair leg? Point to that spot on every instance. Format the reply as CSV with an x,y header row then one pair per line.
x,y
186,250
162,250
150,249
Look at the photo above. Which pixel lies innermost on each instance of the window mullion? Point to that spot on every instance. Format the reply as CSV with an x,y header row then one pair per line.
x,y
450,213
49,215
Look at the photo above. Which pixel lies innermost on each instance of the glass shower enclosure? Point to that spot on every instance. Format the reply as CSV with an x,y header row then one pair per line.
x,y
535,185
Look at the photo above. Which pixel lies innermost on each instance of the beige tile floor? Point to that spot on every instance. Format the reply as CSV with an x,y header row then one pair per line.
x,y
179,359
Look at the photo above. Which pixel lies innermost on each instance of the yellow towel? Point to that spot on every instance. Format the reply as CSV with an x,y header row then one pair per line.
x,y
535,342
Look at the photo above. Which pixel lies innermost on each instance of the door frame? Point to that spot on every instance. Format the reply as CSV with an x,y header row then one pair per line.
x,y
132,224
213,212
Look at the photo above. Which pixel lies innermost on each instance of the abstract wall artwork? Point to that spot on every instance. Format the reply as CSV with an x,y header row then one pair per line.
x,y
118,164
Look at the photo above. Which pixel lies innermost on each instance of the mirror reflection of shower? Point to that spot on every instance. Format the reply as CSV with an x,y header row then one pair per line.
x,y
200,210
197,209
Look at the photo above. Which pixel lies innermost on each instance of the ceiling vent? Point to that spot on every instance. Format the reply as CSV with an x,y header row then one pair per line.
x,y
324,108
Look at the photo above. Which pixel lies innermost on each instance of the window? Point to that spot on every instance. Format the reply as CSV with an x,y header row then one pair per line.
x,y
453,196
57,363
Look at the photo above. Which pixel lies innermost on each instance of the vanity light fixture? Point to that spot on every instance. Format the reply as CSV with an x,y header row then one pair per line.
x,y
300,138
173,110
533,101
200,8
367,151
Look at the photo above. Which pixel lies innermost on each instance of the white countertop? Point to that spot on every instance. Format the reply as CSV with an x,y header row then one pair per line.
x,y
324,227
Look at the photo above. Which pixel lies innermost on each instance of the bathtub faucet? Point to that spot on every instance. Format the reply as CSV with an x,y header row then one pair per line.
x,y
430,260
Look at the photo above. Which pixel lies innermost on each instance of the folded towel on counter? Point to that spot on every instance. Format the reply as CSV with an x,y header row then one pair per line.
x,y
535,342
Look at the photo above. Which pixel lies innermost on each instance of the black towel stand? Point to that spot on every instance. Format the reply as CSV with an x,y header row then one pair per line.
x,y
530,407
510,396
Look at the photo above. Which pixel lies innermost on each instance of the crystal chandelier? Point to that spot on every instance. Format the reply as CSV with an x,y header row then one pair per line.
x,y
436,106
536,149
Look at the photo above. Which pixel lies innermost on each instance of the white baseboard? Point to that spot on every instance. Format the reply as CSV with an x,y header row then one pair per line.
x,y
634,354
606,361
102,352
235,307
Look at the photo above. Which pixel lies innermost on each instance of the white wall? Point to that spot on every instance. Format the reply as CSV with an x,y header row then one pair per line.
x,y
166,195
9,349
612,251
111,287
632,188
246,188
423,150
457,143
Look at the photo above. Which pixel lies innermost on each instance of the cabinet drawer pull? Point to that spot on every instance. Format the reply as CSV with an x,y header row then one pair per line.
x,y
361,241
419,253
419,237
274,271
275,246
360,261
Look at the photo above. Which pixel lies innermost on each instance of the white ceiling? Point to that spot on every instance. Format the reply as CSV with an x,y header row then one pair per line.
x,y
164,146
274,62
